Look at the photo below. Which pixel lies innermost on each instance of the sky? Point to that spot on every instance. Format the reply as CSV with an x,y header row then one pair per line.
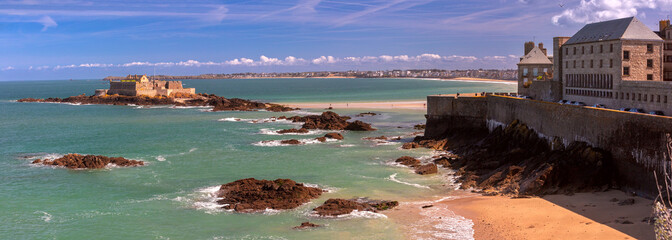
x,y
80,39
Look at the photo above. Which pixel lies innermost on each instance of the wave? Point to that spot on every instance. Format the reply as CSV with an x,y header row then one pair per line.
x,y
260,120
324,188
278,143
346,145
204,199
450,225
162,158
45,216
393,178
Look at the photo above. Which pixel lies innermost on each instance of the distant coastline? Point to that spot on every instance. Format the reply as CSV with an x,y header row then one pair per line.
x,y
474,75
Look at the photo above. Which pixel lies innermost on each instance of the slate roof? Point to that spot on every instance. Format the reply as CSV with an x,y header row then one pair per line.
x,y
624,28
535,56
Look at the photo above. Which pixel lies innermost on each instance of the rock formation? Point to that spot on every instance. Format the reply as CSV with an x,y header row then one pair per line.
x,y
292,130
330,121
515,160
249,195
337,206
426,169
408,161
366,114
305,225
77,161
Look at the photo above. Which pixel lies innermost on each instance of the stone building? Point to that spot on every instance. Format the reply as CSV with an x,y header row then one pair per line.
x,y
617,63
137,85
535,72
665,32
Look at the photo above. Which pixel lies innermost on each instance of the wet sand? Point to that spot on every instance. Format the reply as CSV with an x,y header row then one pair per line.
x,y
580,216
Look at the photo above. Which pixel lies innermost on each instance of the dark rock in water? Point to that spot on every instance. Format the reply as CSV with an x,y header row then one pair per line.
x,y
291,141
77,161
337,206
292,130
336,136
410,145
331,121
443,161
625,202
376,138
426,169
321,139
249,195
427,206
419,127
359,126
366,114
408,161
305,225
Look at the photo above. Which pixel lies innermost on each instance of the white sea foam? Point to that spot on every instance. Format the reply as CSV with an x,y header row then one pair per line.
x,y
393,178
346,145
450,225
325,188
278,143
361,214
260,120
45,216
160,158
204,199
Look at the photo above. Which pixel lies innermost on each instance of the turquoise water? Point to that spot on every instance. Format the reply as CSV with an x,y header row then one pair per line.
x,y
191,151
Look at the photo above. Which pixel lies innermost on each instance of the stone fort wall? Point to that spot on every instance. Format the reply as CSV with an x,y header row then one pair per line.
x,y
637,142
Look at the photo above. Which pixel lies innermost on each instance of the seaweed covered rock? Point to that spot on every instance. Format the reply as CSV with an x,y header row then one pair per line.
x,y
427,169
249,195
77,161
292,130
408,161
338,206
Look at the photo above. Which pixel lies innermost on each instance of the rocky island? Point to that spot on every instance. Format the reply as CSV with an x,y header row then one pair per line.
x,y
138,90
326,121
337,206
252,195
77,161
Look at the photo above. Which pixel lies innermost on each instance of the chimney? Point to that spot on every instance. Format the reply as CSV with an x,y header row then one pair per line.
x,y
541,47
528,47
663,24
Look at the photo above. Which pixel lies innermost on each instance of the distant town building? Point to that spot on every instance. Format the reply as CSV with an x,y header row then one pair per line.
x,y
138,85
617,63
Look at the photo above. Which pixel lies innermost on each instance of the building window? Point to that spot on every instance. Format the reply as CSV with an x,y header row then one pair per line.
x,y
583,65
611,47
626,55
649,63
566,64
591,63
601,48
583,49
574,64
566,51
649,77
600,63
524,71
591,49
611,63
649,48
535,72
574,50
626,71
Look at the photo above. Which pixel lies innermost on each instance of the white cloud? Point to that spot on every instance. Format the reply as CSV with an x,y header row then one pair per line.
x,y
7,68
589,11
47,22
426,59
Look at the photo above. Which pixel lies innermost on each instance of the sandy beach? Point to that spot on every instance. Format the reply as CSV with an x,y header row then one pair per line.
x,y
419,104
580,216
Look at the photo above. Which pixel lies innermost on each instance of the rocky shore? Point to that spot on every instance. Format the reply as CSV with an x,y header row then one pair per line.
x,y
218,103
77,161
514,160
251,195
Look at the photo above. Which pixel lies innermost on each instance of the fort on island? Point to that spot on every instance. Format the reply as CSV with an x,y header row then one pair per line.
x,y
140,85
618,64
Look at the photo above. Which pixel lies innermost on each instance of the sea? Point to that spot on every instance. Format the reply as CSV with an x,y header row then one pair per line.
x,y
191,151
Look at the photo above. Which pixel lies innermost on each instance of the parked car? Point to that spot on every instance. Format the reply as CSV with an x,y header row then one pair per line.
x,y
625,109
637,110
562,102
659,113
526,97
599,106
578,103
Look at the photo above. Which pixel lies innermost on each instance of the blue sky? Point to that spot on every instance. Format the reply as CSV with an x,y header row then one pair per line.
x,y
62,39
